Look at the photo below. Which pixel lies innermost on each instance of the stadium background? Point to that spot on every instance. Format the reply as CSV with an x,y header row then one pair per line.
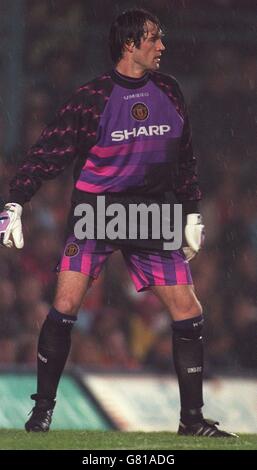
x,y
48,48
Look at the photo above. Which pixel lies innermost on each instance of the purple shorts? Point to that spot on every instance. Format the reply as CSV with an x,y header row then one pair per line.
x,y
146,268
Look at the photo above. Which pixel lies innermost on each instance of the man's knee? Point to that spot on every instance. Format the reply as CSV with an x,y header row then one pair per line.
x,y
66,305
188,307
196,308
70,291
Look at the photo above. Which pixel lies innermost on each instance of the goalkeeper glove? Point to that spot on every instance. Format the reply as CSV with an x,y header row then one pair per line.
x,y
194,234
10,226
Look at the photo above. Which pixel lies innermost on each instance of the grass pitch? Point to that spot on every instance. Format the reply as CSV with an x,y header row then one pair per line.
x,y
115,440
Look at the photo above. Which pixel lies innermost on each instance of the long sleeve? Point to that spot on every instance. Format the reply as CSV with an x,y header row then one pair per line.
x,y
186,186
184,181
55,149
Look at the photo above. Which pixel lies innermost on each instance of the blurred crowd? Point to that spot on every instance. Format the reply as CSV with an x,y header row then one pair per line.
x,y
118,329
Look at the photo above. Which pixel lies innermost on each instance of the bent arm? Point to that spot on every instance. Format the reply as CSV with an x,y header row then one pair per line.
x,y
55,149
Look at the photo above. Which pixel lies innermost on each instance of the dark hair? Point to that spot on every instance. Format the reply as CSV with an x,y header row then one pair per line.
x,y
129,26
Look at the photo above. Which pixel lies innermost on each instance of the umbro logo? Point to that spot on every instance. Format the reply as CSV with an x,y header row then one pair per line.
x,y
42,358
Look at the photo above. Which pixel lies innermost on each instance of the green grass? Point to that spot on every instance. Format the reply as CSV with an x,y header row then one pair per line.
x,y
115,440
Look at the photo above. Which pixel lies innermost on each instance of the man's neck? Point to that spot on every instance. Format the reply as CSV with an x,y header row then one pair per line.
x,y
130,70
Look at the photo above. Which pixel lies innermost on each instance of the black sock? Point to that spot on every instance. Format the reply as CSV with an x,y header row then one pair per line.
x,y
188,362
53,349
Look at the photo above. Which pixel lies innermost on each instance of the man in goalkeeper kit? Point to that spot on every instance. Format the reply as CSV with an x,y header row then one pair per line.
x,y
128,132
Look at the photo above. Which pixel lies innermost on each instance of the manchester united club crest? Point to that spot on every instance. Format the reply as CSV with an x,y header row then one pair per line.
x,y
139,111
71,250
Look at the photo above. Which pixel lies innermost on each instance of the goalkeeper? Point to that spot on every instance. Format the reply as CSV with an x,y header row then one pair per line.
x,y
128,133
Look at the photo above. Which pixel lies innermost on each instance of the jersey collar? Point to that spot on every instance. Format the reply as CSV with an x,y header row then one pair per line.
x,y
129,82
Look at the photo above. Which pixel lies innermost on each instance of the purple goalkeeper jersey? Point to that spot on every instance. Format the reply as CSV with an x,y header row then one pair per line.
x,y
127,136
138,133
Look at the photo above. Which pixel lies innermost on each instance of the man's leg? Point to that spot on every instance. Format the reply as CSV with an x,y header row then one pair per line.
x,y
54,345
186,313
169,277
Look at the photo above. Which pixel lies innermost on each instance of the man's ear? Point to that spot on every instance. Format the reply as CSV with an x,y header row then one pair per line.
x,y
129,45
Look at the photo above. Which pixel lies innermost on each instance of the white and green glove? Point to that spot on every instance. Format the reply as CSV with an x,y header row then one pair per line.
x,y
194,235
10,226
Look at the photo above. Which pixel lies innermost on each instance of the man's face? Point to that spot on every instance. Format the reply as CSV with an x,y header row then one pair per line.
x,y
147,56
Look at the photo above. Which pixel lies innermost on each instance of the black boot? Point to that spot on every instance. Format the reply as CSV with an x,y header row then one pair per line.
x,y
206,428
41,415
